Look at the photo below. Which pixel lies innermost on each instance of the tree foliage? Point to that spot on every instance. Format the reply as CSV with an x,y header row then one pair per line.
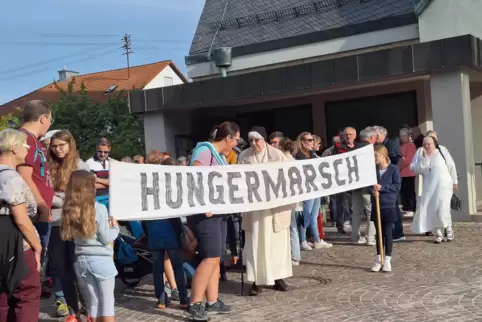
x,y
88,121
9,121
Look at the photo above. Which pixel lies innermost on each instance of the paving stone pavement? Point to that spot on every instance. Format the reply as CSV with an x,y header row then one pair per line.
x,y
429,282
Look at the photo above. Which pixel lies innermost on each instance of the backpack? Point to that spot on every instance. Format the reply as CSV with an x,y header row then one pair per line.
x,y
38,153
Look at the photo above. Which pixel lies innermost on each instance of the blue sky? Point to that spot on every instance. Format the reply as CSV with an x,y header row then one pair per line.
x,y
37,38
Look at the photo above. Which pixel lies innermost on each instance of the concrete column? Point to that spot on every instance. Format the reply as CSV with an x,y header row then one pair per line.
x,y
452,119
154,131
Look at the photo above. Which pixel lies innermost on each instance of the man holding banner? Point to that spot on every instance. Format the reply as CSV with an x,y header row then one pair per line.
x,y
267,251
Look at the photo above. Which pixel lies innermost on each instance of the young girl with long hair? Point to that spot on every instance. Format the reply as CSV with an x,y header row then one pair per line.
x,y
62,161
87,223
387,191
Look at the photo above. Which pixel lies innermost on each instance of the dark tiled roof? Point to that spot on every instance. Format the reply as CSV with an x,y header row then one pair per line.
x,y
351,13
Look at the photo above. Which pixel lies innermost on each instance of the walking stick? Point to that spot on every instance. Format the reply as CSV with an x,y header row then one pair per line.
x,y
379,231
240,254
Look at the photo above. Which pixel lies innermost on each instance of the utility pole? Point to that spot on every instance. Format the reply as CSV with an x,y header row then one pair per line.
x,y
127,45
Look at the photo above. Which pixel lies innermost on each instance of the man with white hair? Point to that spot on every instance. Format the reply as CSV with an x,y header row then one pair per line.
x,y
369,135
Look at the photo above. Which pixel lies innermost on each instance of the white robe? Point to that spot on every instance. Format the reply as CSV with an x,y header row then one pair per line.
x,y
267,253
433,203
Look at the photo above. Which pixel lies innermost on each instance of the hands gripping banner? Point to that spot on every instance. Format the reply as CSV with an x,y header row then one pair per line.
x,y
145,192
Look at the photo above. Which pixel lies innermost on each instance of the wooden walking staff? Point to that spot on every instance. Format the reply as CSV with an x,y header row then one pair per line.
x,y
379,222
379,230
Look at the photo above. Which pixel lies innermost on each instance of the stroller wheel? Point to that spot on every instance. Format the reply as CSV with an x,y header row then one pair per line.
x,y
130,282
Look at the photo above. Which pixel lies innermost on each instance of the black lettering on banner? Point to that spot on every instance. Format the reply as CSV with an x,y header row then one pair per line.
x,y
146,191
195,189
336,163
271,186
310,176
170,203
325,175
252,184
352,169
219,189
233,188
294,175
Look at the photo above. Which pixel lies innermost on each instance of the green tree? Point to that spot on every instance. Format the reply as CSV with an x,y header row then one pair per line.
x,y
9,121
88,121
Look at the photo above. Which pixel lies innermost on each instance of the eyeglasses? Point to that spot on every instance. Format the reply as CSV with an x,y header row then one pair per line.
x,y
59,146
235,138
51,119
103,152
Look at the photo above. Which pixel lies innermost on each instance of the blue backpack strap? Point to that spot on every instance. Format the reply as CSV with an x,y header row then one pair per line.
x,y
38,152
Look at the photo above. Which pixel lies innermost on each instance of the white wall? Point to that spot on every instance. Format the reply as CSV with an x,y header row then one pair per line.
x,y
158,81
477,136
450,18
160,130
333,46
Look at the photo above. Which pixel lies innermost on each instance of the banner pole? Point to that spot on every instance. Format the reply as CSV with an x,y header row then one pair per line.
x,y
240,253
379,231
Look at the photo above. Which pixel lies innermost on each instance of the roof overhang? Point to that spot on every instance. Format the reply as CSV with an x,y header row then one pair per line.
x,y
314,37
377,66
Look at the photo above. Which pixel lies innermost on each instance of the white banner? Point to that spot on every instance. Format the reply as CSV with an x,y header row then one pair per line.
x,y
143,192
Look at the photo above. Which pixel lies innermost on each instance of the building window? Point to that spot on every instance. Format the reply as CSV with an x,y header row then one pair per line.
x,y
168,81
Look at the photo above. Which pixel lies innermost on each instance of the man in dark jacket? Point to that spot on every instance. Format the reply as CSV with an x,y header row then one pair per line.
x,y
417,136
342,200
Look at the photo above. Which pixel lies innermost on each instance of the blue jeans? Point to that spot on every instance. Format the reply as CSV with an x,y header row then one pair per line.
x,y
98,293
294,237
43,229
175,256
311,210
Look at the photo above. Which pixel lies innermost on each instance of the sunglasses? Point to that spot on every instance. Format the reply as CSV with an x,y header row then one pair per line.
x,y
103,152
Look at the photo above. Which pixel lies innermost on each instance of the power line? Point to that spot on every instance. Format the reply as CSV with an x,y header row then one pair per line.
x,y
98,55
79,35
56,60
19,43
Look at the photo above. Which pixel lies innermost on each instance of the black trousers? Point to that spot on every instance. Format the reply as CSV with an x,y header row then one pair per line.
x,y
387,238
62,256
409,199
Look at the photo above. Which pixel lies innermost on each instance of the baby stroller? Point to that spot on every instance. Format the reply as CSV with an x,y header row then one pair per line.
x,y
132,257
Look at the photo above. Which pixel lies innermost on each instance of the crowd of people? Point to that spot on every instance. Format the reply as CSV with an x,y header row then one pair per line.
x,y
55,216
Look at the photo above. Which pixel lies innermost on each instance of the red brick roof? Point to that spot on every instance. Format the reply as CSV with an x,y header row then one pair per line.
x,y
96,84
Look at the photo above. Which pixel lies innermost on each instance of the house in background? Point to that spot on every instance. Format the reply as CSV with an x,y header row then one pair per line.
x,y
101,85
318,66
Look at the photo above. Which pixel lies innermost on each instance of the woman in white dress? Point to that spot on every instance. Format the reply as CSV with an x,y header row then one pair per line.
x,y
438,180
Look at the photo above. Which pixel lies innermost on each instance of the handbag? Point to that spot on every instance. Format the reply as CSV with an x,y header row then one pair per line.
x,y
455,201
189,246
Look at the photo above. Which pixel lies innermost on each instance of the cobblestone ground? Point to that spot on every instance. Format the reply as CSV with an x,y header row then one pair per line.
x,y
429,283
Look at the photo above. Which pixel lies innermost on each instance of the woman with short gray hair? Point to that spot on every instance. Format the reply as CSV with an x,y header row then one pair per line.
x,y
20,246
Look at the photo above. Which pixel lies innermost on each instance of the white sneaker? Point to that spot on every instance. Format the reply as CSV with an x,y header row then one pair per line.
x,y
295,263
450,235
377,267
399,239
360,241
305,246
322,244
371,243
387,267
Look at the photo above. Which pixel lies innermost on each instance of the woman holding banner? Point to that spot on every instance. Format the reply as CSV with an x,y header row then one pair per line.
x,y
311,208
267,244
208,229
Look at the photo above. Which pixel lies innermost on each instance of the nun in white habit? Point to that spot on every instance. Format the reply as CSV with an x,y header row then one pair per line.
x,y
267,241
437,182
